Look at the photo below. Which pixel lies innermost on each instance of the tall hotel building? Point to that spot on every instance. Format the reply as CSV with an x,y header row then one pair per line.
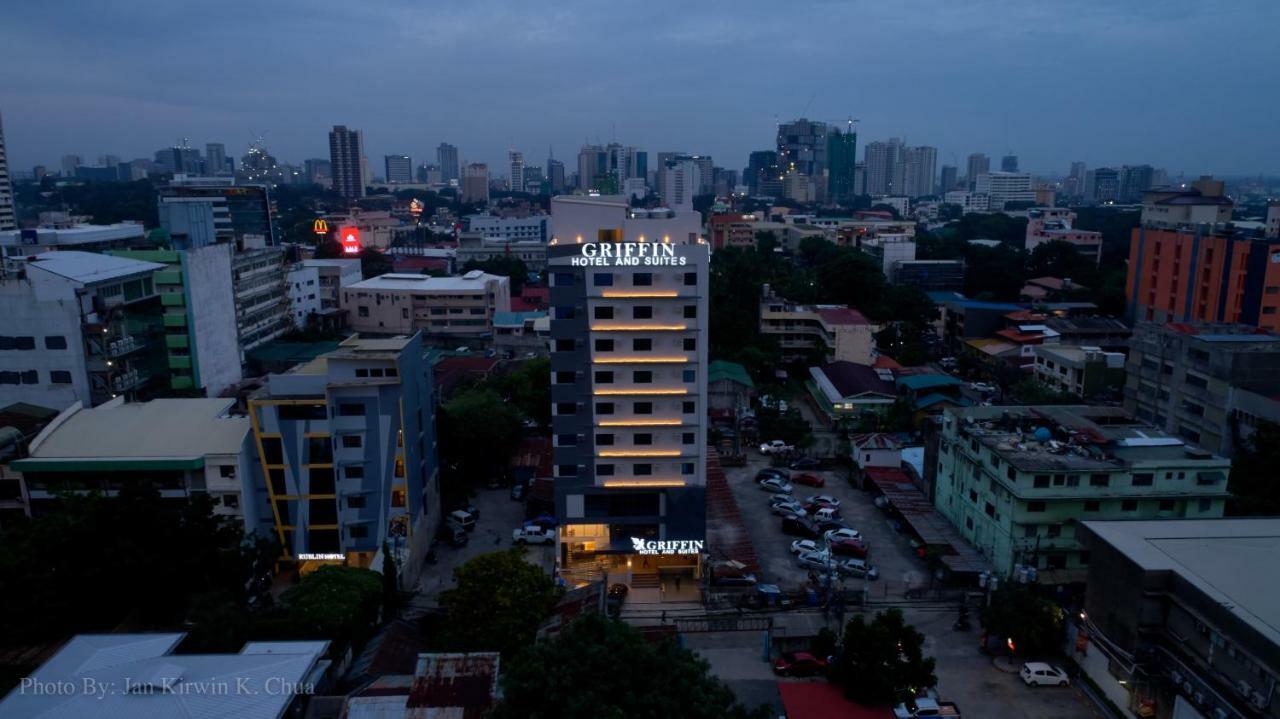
x,y
629,387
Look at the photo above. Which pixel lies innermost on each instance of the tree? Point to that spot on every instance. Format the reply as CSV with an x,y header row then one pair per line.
x,y
328,248
497,603
529,389
789,426
1035,625
373,263
883,661
600,668
479,431
1253,485
337,603
1031,391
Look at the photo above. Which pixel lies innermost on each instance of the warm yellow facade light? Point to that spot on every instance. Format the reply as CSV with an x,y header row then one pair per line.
x,y
650,484
637,453
639,328
632,359
628,392
640,423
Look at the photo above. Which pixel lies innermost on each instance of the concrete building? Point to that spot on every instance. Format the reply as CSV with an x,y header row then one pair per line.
x,y
182,447
577,218
215,159
20,244
1009,163
201,214
474,186
802,148
1086,372
450,309
1005,187
263,681
968,201
516,161
929,275
262,304
842,163
302,284
732,230
555,176
80,327
399,169
884,167
817,333
472,246
949,180
680,179
521,332
978,164
200,331
1102,185
533,228
888,249
347,447
8,217
1016,481
318,171
1180,616
1056,224
629,381
1273,220
346,161
447,159
919,171
1210,384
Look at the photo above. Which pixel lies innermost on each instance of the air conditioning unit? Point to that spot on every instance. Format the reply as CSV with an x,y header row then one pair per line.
x,y
1187,688
1243,688
1221,713
1198,698
1258,700
1175,676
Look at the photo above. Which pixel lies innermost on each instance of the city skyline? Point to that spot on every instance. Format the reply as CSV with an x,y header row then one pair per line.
x,y
1063,100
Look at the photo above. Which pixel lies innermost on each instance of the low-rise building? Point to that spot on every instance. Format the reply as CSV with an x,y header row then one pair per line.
x,y
262,305
1005,187
969,201
474,247
1056,224
1181,616
929,275
347,445
534,228
181,447
729,388
19,424
521,332
1016,480
857,391
732,230
806,332
1083,371
442,308
18,245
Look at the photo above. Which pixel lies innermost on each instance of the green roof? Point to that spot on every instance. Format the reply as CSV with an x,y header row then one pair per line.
x,y
720,369
929,400
917,382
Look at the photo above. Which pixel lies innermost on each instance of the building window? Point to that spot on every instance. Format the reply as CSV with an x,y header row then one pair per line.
x,y
643,408
686,468
604,377
1030,530
565,279
642,279
1055,530
689,375
565,313
24,343
601,279
690,279
60,376
1166,505
604,345
603,313
688,438
1042,481
990,510
1205,505
1092,505
1196,380
567,470
353,471
604,440
688,407
1035,506
362,311
642,312
350,410
565,345
690,344
1129,505
642,344
231,501
566,377
604,408
1099,480
30,377
604,470
352,441
1144,479
643,438
358,531
566,440
566,408
643,376
55,342
642,470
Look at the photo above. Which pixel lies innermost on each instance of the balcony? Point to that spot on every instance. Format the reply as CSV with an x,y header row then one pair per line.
x,y
175,320
176,341
128,380
181,383
126,345
173,299
168,277
179,362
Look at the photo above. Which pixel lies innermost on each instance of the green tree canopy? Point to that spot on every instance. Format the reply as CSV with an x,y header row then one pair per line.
x,y
529,389
1035,624
600,668
497,603
1253,485
478,432
511,267
328,248
1032,391
336,603
373,263
883,660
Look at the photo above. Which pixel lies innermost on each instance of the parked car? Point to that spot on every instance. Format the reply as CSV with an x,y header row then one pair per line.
x,y
833,535
848,548
784,509
799,664
463,519
810,480
822,511
926,707
826,525
798,527
469,508
777,446
858,568
782,497
776,485
533,535
1039,674
730,578
806,463
543,521
518,492
771,473
800,546
824,499
814,560
981,387
453,534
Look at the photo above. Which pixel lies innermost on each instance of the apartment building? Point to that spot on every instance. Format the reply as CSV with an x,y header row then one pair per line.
x,y
492,227
1016,481
475,247
18,245
1083,371
818,333
1002,188
347,448
1057,224
315,290
629,376
1180,615
1209,384
442,308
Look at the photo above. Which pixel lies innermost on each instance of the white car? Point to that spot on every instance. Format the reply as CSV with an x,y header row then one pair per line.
x,y
823,499
800,546
1039,674
857,568
533,534
814,560
777,446
835,535
785,509
981,387
775,485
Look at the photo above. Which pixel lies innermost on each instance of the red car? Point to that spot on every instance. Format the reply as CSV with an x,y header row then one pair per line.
x,y
799,664
811,480
849,548
813,507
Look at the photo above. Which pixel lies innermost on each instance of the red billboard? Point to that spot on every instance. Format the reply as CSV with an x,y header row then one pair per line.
x,y
350,239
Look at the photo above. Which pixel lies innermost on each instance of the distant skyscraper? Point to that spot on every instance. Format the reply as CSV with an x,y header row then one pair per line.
x,y
1074,185
593,165
447,159
1102,185
979,164
69,165
919,171
317,170
475,183
681,179
1009,163
555,175
399,168
883,161
842,159
517,170
802,147
215,159
950,174
1135,180
762,168
8,219
346,156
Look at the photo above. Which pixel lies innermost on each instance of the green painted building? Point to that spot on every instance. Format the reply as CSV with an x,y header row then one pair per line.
x,y
1016,480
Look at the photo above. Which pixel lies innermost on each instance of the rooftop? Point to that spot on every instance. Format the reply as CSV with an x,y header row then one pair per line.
x,y
473,281
848,379
183,430
723,370
90,267
1232,561
838,315
516,319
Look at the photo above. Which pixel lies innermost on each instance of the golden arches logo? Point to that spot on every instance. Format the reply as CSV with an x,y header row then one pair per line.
x,y
320,227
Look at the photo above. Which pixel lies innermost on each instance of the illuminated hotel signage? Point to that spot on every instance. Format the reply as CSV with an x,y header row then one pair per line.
x,y
626,254
677,546
309,557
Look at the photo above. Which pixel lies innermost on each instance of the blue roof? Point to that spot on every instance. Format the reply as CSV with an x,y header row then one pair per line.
x,y
940,296
979,305
929,400
1238,338
507,319
916,382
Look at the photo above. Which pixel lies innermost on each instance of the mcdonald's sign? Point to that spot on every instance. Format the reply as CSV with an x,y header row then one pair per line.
x,y
320,227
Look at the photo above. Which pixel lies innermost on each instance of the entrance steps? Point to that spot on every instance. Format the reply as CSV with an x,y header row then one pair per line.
x,y
645,581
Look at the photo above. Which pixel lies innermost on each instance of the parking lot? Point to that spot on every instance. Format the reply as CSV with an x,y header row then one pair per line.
x,y
889,551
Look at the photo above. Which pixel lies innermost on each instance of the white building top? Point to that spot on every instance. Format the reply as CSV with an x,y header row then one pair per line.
x,y
77,235
155,430
90,267
473,281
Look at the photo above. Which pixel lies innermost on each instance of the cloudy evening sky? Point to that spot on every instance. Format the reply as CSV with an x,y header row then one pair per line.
x,y
1189,86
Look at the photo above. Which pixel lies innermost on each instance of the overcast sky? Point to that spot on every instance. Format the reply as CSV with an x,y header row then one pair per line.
x,y
1186,85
